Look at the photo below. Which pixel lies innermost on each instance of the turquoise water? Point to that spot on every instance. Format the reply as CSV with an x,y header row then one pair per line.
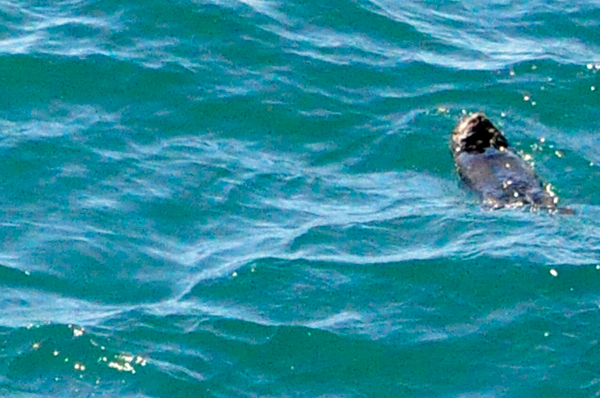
x,y
256,198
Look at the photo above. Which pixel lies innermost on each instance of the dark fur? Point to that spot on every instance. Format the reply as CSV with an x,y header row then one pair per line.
x,y
487,164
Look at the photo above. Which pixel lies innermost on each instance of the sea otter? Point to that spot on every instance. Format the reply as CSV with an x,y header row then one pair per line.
x,y
488,165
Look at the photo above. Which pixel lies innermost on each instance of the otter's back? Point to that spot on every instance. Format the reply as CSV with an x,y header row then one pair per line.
x,y
502,178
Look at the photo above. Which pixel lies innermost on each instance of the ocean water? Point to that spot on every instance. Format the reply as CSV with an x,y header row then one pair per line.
x,y
256,198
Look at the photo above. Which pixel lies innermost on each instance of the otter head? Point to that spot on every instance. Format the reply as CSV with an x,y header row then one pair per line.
x,y
475,133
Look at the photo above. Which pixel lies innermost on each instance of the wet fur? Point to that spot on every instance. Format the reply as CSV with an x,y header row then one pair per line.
x,y
489,166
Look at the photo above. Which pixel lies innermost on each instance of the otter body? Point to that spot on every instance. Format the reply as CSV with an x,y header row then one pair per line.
x,y
487,164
